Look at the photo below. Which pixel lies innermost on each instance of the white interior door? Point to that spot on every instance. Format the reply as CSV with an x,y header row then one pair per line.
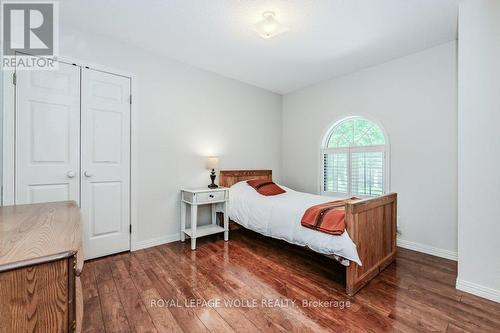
x,y
105,162
47,140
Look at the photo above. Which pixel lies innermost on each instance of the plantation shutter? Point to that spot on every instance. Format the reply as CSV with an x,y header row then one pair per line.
x,y
335,172
367,173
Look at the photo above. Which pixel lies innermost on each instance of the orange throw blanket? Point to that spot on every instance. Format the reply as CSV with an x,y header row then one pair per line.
x,y
328,217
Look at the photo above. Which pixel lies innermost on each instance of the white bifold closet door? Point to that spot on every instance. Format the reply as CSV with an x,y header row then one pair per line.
x,y
72,142
105,194
47,141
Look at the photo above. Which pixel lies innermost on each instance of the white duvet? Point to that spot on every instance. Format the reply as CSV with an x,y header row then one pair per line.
x,y
279,217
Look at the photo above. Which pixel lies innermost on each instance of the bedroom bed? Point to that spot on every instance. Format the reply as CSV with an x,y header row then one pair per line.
x,y
366,248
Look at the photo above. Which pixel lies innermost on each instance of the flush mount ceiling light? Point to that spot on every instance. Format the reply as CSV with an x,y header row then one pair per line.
x,y
268,27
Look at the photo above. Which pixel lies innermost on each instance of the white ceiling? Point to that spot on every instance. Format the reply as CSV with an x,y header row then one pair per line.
x,y
326,38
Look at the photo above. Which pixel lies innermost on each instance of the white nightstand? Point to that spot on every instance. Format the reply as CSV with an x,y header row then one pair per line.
x,y
217,198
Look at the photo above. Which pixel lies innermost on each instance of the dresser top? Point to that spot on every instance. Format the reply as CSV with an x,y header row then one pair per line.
x,y
38,230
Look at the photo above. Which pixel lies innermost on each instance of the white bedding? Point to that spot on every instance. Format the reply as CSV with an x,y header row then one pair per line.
x,y
279,217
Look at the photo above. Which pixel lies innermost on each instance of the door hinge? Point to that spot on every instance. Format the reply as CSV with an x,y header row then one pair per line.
x,y
130,99
130,228
14,79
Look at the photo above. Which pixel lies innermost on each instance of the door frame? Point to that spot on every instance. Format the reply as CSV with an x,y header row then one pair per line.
x,y
8,158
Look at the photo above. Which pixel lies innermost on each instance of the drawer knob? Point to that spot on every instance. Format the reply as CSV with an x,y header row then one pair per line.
x,y
211,195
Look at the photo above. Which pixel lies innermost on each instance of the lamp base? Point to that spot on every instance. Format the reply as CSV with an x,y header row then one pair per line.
x,y
212,178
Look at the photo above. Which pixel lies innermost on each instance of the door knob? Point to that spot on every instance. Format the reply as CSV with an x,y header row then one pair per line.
x,y
87,174
70,174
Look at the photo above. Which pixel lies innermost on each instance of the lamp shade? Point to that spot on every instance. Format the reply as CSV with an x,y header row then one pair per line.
x,y
212,163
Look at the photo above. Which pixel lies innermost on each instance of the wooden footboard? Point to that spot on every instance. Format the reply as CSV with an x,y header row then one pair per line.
x,y
371,224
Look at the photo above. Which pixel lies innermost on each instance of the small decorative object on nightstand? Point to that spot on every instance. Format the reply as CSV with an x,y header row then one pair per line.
x,y
212,164
217,199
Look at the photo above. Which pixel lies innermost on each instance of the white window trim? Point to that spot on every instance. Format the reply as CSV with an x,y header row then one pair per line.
x,y
384,148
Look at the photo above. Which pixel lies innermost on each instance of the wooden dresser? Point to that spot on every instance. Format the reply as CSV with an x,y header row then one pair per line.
x,y
40,264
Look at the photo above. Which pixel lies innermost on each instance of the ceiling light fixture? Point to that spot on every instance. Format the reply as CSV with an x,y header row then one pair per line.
x,y
269,27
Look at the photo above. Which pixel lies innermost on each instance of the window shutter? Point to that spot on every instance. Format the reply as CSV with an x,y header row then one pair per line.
x,y
367,173
335,172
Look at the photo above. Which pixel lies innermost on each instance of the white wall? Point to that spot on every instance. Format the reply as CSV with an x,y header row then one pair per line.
x,y
479,148
183,115
1,129
414,98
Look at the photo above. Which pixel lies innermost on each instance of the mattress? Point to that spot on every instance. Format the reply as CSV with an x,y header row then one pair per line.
x,y
279,217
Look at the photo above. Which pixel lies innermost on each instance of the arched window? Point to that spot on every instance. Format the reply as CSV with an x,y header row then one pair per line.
x,y
354,159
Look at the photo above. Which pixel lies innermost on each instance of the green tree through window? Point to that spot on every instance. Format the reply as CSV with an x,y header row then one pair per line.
x,y
354,132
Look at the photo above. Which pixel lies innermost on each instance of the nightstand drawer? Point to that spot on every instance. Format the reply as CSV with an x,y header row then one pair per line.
x,y
210,196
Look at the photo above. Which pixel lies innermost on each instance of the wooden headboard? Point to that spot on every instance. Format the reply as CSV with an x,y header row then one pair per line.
x,y
230,177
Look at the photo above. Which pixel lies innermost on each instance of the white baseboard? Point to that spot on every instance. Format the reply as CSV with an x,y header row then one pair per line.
x,y
478,290
433,251
156,241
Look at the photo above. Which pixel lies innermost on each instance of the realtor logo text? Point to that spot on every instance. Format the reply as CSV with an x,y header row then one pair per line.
x,y
30,35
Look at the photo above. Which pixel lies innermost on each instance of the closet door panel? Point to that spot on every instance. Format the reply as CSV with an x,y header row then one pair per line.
x,y
105,162
47,146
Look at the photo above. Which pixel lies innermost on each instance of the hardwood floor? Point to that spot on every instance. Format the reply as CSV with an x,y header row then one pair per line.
x,y
156,290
